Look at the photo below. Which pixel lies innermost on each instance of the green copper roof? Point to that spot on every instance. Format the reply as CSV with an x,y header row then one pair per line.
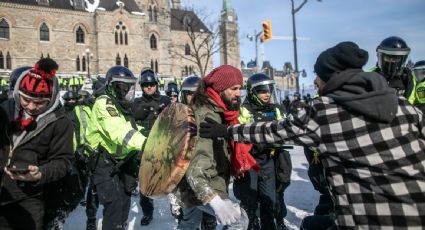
x,y
227,6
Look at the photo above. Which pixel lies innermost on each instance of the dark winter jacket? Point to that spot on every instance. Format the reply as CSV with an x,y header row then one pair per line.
x,y
372,150
48,146
146,109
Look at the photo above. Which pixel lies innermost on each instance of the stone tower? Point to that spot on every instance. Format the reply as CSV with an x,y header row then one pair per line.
x,y
229,36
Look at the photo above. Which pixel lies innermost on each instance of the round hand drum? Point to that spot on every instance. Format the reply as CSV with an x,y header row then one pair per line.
x,y
168,151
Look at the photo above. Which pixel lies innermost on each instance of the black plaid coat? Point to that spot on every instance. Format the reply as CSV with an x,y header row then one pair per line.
x,y
376,171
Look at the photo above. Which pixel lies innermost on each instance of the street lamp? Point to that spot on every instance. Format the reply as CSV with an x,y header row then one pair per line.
x,y
294,38
252,37
88,57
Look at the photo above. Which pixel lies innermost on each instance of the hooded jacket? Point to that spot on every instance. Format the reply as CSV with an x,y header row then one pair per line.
x,y
48,146
363,93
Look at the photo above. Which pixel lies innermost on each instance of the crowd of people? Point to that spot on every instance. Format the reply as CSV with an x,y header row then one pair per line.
x,y
363,135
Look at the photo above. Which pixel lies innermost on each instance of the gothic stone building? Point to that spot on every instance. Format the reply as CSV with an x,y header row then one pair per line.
x,y
93,35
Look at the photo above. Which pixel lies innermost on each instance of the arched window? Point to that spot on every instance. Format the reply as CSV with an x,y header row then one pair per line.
x,y
118,60
83,63
4,29
8,61
187,49
1,60
153,42
150,13
77,63
186,70
190,70
292,81
44,32
121,36
155,14
125,60
80,35
156,66
152,64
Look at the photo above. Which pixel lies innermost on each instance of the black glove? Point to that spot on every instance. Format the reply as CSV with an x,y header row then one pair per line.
x,y
211,129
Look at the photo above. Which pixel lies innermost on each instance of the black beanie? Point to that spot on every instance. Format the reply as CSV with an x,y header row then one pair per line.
x,y
345,55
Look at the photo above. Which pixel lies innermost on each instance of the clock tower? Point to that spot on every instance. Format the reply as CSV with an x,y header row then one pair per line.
x,y
229,36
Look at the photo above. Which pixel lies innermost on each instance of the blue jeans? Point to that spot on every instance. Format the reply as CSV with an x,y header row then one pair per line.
x,y
192,218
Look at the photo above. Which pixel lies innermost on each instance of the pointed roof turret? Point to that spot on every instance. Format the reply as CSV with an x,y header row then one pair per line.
x,y
227,6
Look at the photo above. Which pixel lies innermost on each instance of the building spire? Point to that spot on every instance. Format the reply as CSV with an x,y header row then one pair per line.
x,y
227,6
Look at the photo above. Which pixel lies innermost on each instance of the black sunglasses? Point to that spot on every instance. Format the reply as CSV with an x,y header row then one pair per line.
x,y
148,85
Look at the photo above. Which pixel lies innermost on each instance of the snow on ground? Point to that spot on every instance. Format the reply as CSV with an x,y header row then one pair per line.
x,y
300,199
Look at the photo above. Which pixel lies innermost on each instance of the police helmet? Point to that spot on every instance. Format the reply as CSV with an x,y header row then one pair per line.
x,y
15,75
172,89
148,76
297,95
261,83
120,83
392,55
189,86
419,70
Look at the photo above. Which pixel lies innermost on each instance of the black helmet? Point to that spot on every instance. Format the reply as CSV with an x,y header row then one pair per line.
x,y
189,86
297,95
148,76
419,70
120,84
172,89
15,75
392,55
260,83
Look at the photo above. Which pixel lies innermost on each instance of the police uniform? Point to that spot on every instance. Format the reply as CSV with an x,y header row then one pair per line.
x,y
114,136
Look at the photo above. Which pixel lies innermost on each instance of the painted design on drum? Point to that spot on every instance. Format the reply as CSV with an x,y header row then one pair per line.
x,y
168,151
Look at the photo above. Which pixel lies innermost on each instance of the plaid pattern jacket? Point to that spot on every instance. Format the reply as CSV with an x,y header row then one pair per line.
x,y
376,171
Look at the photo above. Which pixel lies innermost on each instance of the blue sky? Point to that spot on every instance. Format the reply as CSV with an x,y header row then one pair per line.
x,y
326,23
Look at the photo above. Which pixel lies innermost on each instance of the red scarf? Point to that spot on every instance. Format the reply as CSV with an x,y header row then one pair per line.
x,y
240,158
21,124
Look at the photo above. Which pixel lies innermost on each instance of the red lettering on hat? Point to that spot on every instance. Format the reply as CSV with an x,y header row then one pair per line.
x,y
42,87
28,82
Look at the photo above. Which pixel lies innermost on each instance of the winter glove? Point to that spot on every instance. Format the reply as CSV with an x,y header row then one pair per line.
x,y
174,207
211,129
226,211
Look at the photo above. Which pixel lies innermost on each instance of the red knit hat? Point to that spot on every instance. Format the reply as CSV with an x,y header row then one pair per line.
x,y
223,77
38,81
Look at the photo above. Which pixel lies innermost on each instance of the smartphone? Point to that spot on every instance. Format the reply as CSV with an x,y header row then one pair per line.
x,y
18,170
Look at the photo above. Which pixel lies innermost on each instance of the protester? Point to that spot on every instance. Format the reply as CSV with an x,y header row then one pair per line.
x,y
41,147
371,141
205,186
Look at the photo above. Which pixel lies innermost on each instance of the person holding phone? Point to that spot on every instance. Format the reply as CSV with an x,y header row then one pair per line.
x,y
39,148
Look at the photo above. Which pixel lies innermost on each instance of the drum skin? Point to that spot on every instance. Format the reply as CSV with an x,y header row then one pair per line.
x,y
168,151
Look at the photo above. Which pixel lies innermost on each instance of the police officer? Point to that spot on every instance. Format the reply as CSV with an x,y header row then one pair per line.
x,y
296,104
172,91
189,86
392,55
419,75
115,139
261,104
145,111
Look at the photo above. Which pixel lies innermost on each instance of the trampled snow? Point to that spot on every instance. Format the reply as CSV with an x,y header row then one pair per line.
x,y
300,199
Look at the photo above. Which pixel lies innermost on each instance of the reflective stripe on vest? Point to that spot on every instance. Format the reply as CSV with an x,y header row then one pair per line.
x,y
84,122
127,138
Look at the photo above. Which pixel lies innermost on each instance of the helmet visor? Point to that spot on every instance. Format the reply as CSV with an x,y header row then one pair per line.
x,y
266,94
419,73
124,91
